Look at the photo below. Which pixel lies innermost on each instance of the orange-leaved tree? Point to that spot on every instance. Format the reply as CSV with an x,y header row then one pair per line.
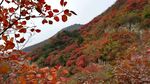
x,y
15,23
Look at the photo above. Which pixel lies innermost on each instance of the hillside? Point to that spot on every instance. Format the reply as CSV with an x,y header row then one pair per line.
x,y
112,48
69,28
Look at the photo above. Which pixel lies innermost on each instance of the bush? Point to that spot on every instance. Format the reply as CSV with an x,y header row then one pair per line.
x,y
110,51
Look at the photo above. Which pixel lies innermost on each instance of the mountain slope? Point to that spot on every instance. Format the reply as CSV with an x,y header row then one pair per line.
x,y
112,44
69,29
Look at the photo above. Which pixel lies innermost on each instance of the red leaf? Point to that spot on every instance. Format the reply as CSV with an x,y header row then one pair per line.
x,y
56,10
32,30
11,10
50,22
47,7
62,2
64,72
41,1
56,18
50,14
23,22
44,21
12,39
64,18
27,18
17,35
69,14
9,45
22,30
15,22
6,23
22,40
4,38
66,12
38,30
39,9
24,12
65,3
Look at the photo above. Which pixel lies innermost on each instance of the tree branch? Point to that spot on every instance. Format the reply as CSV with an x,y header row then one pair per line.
x,y
9,26
1,2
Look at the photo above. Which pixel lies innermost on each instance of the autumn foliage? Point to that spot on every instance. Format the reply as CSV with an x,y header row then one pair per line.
x,y
113,48
15,65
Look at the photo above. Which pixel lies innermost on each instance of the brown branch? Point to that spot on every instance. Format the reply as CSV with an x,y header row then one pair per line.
x,y
1,2
9,26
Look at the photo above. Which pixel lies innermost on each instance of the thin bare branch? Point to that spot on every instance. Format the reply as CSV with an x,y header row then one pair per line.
x,y
1,2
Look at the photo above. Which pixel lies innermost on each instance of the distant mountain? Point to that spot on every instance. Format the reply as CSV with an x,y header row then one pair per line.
x,y
110,49
72,27
69,29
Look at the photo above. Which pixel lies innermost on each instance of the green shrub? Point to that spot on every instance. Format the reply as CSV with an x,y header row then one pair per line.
x,y
110,51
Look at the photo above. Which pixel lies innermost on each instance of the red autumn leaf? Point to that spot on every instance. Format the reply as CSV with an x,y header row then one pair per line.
x,y
73,12
47,7
38,30
4,38
50,22
17,35
41,1
22,40
50,14
29,58
32,30
11,10
56,10
39,9
66,11
23,22
9,45
15,21
11,39
80,62
64,72
24,12
65,3
27,18
56,18
64,18
22,30
58,66
6,23
69,14
38,76
14,57
44,21
62,2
